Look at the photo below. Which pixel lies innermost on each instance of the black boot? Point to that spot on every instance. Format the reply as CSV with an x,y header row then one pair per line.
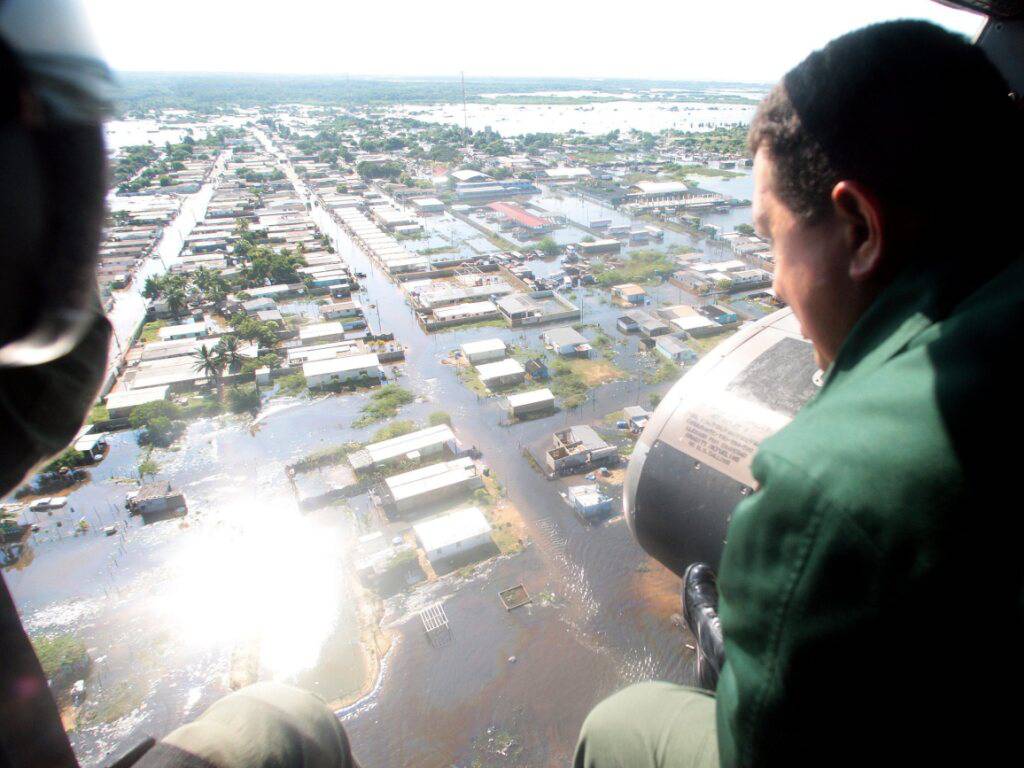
x,y
700,612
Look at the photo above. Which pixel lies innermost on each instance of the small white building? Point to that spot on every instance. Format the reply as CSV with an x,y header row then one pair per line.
x,y
319,373
588,501
470,311
425,485
453,534
428,204
120,404
504,373
192,330
322,333
675,350
696,325
483,351
535,401
567,342
414,446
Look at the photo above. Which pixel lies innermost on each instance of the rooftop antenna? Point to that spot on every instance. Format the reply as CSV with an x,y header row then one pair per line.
x,y
465,120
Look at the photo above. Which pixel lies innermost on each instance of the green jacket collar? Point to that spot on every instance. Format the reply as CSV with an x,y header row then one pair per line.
x,y
921,295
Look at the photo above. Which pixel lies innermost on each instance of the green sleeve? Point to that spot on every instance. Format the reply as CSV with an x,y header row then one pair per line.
x,y
796,602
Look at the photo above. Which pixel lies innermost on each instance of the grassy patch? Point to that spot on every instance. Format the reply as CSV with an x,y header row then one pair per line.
x,y
666,371
680,172
292,384
640,267
506,539
384,404
705,345
467,375
335,454
151,331
395,429
595,371
99,412
567,385
439,417
58,653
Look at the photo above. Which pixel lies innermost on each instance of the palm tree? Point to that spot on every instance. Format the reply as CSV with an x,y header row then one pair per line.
x,y
209,364
228,354
175,301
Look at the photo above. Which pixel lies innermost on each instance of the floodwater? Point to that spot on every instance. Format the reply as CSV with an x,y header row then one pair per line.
x,y
598,118
176,613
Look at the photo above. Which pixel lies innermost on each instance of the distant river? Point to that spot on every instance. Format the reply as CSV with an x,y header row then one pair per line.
x,y
517,119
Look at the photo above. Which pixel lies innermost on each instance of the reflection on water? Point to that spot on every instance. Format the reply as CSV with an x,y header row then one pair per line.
x,y
245,580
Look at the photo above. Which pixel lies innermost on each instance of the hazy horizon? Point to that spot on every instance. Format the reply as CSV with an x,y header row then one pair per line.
x,y
751,43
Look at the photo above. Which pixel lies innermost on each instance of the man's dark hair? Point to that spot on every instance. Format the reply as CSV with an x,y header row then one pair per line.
x,y
916,114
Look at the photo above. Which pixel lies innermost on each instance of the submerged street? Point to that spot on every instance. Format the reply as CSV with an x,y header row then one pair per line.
x,y
175,614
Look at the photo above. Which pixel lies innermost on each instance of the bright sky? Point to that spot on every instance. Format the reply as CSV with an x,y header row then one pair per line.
x,y
742,40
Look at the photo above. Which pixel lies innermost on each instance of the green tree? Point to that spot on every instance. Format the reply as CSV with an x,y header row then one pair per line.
x,y
148,466
244,398
228,354
208,363
176,301
548,246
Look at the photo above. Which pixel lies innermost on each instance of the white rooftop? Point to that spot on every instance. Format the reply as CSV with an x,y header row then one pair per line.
x,y
425,479
506,367
445,530
566,173
484,345
692,322
193,329
661,187
530,398
339,364
133,397
413,441
318,330
465,310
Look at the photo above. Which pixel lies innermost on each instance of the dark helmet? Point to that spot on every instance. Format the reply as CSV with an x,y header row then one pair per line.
x,y
54,338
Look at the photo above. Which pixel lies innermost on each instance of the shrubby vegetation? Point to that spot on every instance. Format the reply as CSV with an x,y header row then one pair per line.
x,y
384,403
639,267
395,429
439,417
160,422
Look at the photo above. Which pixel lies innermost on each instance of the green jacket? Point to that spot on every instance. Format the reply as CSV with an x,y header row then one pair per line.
x,y
871,589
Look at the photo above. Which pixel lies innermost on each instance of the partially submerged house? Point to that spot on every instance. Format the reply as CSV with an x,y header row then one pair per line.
x,y
578,447
588,501
532,402
336,370
504,373
415,446
567,342
420,487
453,534
483,351
120,404
157,501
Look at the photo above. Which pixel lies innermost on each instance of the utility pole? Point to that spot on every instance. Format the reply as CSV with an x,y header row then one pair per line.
x,y
465,119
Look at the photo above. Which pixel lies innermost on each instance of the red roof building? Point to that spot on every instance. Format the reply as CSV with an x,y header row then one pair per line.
x,y
520,216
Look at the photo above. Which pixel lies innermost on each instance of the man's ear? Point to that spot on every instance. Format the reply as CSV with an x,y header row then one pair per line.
x,y
860,217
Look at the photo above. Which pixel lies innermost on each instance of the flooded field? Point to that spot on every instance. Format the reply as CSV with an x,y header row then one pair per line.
x,y
515,119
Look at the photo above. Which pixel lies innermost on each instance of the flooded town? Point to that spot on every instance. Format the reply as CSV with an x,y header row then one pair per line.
x,y
376,374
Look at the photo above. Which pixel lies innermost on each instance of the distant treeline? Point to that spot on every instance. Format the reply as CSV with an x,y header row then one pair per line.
x,y
215,92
